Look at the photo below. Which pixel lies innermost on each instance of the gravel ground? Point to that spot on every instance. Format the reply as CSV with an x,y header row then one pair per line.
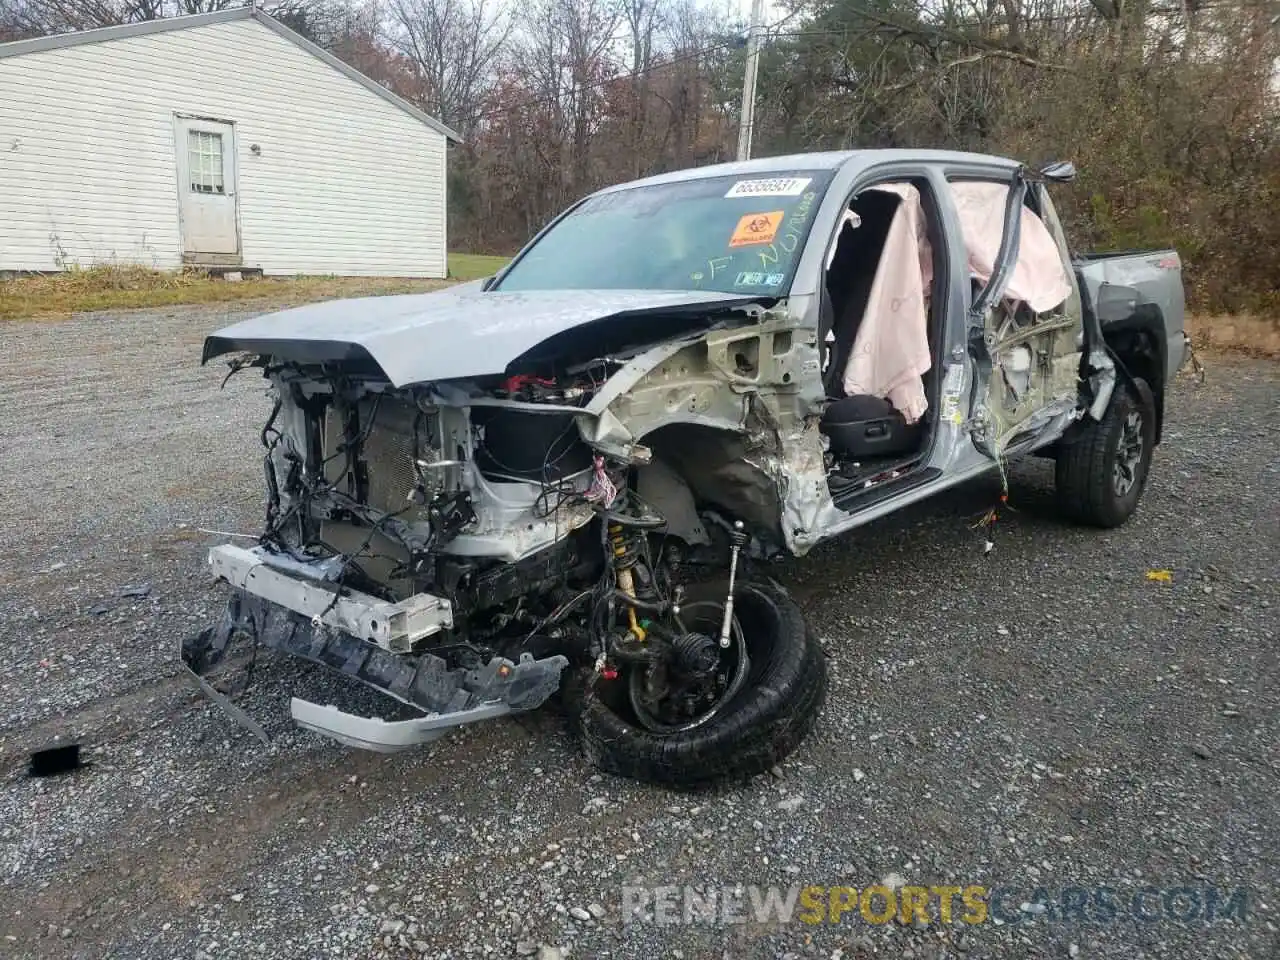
x,y
1041,717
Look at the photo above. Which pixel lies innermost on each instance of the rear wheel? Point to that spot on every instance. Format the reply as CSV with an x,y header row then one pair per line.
x,y
757,707
1102,472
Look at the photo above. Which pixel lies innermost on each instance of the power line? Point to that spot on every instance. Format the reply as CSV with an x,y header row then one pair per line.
x,y
1087,12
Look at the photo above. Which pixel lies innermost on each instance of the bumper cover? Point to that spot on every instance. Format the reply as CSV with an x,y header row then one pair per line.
x,y
448,696
382,736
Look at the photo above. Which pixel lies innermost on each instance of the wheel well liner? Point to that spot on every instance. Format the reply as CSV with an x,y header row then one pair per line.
x,y
1139,345
720,468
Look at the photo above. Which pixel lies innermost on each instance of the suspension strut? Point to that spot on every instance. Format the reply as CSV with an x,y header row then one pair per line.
x,y
737,540
626,554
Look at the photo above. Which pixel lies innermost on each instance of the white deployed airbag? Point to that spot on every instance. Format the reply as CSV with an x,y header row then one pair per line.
x,y
891,348
1039,277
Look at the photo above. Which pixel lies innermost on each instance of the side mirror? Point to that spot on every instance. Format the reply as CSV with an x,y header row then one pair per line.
x,y
1059,171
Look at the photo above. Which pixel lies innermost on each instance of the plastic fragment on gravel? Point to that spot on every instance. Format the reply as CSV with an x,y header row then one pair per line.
x,y
54,760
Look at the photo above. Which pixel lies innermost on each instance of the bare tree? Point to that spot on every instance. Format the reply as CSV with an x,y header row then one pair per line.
x,y
564,56
644,19
588,28
34,18
452,45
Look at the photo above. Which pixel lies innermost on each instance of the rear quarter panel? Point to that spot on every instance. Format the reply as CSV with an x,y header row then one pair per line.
x,y
1156,278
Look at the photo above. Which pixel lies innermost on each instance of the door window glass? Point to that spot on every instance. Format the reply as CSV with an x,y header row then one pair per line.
x,y
204,161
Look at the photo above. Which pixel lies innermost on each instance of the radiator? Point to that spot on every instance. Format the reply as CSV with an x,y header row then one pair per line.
x,y
388,451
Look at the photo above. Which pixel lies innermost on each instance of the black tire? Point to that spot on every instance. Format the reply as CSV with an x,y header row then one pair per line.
x,y
1093,484
768,718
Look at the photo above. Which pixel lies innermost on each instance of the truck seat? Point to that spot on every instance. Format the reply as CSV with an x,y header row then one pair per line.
x,y
865,427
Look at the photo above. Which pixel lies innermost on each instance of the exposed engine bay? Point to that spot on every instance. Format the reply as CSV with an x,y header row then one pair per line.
x,y
459,545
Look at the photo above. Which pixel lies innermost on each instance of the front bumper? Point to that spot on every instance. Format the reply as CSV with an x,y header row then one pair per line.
x,y
283,611
382,736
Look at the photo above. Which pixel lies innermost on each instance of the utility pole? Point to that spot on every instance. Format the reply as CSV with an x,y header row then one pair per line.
x,y
749,81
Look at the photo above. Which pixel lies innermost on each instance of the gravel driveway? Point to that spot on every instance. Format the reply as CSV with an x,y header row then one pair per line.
x,y
1044,716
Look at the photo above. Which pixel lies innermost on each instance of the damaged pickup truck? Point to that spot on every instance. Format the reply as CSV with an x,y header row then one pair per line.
x,y
565,478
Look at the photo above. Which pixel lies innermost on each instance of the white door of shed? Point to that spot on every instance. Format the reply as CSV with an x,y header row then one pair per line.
x,y
207,190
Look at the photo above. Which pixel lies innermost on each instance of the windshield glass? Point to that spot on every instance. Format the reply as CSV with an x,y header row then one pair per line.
x,y
729,234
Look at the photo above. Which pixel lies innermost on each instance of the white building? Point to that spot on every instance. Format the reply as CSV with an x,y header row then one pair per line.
x,y
222,139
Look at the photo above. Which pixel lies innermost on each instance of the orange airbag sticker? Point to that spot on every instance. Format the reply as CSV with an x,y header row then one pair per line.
x,y
757,228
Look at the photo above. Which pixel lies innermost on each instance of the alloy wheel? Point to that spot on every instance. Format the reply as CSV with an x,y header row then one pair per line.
x,y
1128,454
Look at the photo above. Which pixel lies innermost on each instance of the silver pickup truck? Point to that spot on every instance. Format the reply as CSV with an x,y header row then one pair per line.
x,y
571,476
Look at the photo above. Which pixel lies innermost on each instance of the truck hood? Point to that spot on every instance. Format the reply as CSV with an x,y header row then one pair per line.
x,y
449,334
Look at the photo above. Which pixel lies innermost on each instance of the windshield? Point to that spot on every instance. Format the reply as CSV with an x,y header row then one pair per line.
x,y
729,234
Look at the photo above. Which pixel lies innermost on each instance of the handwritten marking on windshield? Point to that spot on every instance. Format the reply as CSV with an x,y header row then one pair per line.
x,y
792,235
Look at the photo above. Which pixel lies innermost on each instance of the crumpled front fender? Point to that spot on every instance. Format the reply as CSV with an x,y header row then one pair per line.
x,y
756,381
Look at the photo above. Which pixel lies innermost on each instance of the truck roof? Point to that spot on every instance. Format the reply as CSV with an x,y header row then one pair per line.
x,y
829,160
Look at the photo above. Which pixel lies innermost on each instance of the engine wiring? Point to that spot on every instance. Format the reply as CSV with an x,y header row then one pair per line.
x,y
345,446
603,608
307,486
236,364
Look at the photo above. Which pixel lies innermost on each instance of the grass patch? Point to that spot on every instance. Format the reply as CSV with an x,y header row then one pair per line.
x,y
474,266
128,287
1242,333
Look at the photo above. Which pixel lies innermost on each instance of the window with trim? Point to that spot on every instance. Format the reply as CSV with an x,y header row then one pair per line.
x,y
204,162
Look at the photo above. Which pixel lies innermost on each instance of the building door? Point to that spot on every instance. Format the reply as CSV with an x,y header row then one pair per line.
x,y
207,190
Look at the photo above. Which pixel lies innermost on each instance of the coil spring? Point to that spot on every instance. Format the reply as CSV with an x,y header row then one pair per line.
x,y
626,546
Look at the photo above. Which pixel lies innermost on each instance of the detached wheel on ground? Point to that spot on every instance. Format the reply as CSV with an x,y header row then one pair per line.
x,y
1101,473
767,709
